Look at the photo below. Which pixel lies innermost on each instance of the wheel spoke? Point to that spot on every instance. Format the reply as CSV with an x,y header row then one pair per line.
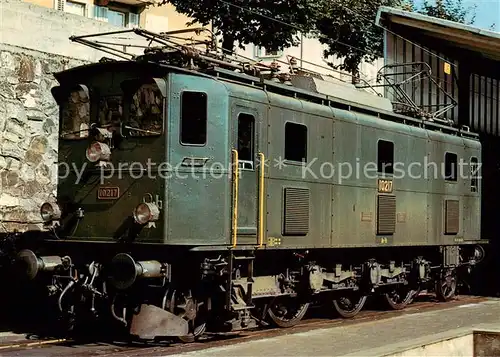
x,y
400,296
287,313
186,307
349,306
446,285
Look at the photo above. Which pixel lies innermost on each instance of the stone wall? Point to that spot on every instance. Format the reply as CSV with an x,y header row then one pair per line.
x,y
28,134
33,27
34,43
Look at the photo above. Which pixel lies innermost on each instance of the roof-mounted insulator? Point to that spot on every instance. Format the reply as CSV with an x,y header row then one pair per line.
x,y
275,68
293,64
190,52
285,78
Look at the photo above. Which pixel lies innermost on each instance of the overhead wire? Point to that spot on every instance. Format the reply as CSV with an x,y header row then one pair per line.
x,y
340,42
298,28
397,35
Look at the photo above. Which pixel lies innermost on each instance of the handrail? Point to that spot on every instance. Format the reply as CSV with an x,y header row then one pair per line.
x,y
261,201
235,196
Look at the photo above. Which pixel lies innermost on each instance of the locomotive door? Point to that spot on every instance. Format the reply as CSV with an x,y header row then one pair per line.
x,y
199,185
246,122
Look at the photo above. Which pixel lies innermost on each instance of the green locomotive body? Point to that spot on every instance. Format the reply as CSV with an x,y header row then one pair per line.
x,y
306,147
238,193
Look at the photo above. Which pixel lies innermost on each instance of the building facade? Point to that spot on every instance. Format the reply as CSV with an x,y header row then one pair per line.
x,y
148,14
122,13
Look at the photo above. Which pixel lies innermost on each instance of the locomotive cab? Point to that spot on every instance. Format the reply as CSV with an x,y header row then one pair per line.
x,y
140,147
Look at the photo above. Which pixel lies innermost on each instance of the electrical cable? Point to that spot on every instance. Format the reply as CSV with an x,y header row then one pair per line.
x,y
339,42
298,28
397,35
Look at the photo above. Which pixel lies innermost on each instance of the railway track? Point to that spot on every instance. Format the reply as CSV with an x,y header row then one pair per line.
x,y
63,347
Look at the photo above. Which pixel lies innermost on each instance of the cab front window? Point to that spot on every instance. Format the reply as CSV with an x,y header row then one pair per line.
x,y
110,113
75,114
146,111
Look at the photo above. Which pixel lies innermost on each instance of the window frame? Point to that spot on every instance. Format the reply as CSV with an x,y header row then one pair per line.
x,y
181,117
101,13
446,179
83,5
474,176
393,157
61,94
253,141
294,162
261,52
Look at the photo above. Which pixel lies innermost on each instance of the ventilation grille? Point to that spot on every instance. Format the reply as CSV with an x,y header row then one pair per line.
x,y
386,214
296,213
452,214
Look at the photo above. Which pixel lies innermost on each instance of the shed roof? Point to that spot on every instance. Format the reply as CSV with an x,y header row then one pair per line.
x,y
483,42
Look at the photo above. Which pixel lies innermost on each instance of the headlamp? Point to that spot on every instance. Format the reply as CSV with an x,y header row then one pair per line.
x,y
98,151
146,212
50,211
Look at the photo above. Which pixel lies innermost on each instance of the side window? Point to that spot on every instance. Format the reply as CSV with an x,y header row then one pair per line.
x,y
75,114
385,157
450,166
146,111
193,118
474,167
246,134
295,142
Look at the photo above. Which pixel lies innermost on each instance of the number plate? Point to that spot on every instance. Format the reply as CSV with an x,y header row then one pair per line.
x,y
385,186
108,193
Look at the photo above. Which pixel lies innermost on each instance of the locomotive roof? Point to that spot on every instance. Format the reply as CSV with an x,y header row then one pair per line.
x,y
157,62
83,73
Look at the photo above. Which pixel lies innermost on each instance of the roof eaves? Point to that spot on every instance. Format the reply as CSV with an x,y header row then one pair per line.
x,y
385,10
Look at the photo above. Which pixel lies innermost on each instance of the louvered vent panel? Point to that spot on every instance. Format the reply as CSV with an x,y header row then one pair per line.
x,y
452,214
386,214
296,219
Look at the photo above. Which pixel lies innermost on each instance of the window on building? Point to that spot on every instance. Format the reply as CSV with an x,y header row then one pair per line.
x,y
246,134
75,8
295,142
263,52
117,18
474,174
450,166
385,157
121,17
193,118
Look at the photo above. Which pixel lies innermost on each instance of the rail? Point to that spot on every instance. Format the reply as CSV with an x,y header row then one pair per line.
x,y
33,344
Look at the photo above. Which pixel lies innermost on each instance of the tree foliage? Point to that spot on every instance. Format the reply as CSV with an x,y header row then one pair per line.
x,y
346,27
348,30
273,24
452,10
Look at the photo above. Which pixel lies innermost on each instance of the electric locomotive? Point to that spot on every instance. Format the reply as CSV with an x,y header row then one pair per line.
x,y
198,193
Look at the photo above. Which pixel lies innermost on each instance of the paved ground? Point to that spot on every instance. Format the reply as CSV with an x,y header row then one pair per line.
x,y
10,337
360,338
354,339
